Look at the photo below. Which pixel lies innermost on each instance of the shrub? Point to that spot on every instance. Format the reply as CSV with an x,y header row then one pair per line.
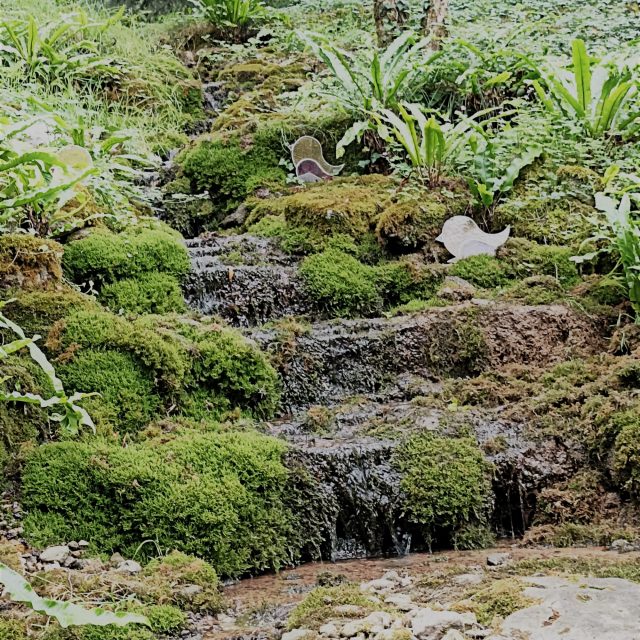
x,y
105,257
150,293
127,392
340,283
446,482
215,495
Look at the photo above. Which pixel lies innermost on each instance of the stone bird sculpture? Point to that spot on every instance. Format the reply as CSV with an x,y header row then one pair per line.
x,y
463,238
308,159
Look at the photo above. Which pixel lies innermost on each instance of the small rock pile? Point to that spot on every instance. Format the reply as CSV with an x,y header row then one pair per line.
x,y
399,617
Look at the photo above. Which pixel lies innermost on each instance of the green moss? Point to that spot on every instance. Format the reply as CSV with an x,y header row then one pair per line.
x,y
21,423
215,495
446,482
524,258
109,632
165,618
485,272
344,205
13,630
501,598
29,262
150,293
340,284
37,311
293,240
323,603
626,455
187,359
128,398
104,257
536,290
230,172
177,570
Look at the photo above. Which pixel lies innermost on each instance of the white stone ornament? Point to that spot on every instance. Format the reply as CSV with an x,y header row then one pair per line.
x,y
463,238
308,159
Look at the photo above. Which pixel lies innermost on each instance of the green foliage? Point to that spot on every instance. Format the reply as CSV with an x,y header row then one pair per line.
x,y
105,257
128,397
59,50
66,613
340,283
13,630
617,233
165,618
149,293
234,18
217,495
446,482
597,97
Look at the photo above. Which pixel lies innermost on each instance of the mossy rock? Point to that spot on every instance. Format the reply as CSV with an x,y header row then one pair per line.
x,y
446,482
103,257
21,424
481,271
128,398
219,496
229,171
37,311
27,262
148,293
349,206
411,223
186,359
190,214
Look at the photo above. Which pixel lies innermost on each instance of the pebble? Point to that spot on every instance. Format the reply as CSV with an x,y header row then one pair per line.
x,y
129,566
498,559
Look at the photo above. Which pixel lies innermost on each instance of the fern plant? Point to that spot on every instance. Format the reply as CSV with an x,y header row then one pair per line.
x,y
68,413
64,49
365,85
428,143
66,613
617,233
597,96
239,16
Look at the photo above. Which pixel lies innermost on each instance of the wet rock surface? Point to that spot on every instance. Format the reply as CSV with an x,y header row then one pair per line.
x,y
244,279
337,358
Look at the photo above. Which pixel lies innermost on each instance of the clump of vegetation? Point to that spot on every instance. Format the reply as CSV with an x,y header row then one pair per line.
x,y
500,599
322,605
216,495
446,483
151,293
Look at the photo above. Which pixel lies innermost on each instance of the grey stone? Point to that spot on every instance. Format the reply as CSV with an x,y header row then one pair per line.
x,y
428,622
298,634
116,559
585,609
190,591
329,630
129,566
55,554
401,601
468,579
498,559
352,629
381,585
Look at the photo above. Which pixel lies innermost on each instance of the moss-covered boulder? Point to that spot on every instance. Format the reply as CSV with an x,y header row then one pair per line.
x,y
199,369
148,293
219,496
413,222
104,257
27,262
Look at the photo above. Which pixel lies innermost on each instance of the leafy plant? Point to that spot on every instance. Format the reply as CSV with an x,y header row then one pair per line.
x,y
428,143
239,15
66,613
618,233
61,49
597,97
366,85
72,416
492,179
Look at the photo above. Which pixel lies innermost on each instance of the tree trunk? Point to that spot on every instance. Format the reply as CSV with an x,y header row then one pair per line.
x,y
434,21
389,16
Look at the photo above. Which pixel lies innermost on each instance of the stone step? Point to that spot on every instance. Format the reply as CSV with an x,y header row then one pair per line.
x,y
244,279
326,361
